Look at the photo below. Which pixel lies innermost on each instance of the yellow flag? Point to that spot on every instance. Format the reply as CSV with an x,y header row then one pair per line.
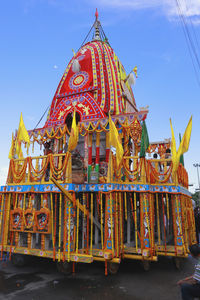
x,y
183,147
22,135
73,139
173,144
18,147
11,152
115,141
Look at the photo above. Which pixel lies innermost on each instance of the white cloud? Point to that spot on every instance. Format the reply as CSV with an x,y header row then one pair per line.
x,y
189,8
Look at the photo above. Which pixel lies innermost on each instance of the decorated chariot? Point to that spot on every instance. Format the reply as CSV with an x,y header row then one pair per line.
x,y
99,191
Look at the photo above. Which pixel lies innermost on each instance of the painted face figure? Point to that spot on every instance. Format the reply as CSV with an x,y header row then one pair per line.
x,y
16,219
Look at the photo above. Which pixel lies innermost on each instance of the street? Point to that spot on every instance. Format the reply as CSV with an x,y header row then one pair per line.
x,y
40,280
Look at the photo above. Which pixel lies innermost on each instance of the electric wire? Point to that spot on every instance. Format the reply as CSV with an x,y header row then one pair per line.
x,y
193,29
189,41
188,34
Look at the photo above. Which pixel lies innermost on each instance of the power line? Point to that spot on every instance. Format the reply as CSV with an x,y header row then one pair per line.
x,y
189,41
193,29
188,34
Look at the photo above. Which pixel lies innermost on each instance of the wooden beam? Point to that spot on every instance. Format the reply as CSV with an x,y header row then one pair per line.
x,y
81,207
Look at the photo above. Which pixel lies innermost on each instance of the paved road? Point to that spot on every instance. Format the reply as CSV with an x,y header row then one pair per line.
x,y
41,281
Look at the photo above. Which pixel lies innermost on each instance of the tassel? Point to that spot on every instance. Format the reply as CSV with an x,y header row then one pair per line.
x,y
76,66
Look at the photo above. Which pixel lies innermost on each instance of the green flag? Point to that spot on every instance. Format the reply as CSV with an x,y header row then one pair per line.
x,y
144,140
181,157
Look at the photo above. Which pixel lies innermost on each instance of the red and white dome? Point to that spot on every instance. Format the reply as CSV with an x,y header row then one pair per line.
x,y
94,84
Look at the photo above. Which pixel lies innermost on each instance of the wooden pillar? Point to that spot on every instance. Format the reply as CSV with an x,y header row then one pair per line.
x,y
128,221
84,226
178,226
96,232
86,157
69,223
109,224
89,156
145,224
97,152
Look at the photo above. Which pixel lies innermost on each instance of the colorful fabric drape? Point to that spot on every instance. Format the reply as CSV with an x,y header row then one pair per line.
x,y
115,142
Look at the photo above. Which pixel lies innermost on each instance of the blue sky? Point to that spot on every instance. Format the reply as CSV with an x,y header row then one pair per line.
x,y
37,37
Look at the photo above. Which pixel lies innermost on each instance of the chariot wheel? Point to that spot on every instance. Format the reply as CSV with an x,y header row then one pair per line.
x,y
178,262
113,268
146,265
19,260
64,267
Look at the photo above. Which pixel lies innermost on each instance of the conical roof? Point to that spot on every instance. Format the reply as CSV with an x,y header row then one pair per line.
x,y
93,83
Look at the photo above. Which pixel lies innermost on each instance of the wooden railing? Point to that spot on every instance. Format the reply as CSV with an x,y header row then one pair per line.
x,y
132,169
40,169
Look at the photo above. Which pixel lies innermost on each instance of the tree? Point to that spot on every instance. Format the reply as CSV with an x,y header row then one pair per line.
x,y
196,197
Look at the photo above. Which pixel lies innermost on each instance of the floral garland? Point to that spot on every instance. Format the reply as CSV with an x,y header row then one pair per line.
x,y
91,223
59,230
158,219
151,170
101,205
77,226
42,135
35,175
116,225
174,223
18,176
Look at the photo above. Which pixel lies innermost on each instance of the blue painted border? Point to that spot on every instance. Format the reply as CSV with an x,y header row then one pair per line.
x,y
106,187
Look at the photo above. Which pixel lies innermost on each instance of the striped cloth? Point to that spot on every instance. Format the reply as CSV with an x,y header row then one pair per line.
x,y
196,275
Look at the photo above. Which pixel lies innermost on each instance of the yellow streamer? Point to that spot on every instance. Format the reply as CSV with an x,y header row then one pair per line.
x,y
59,234
125,202
52,229
136,229
117,225
111,219
167,203
1,214
69,223
158,219
120,212
180,223
101,220
147,218
77,227
91,231
7,221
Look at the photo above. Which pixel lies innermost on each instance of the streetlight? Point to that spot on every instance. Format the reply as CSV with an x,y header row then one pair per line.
x,y
197,166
